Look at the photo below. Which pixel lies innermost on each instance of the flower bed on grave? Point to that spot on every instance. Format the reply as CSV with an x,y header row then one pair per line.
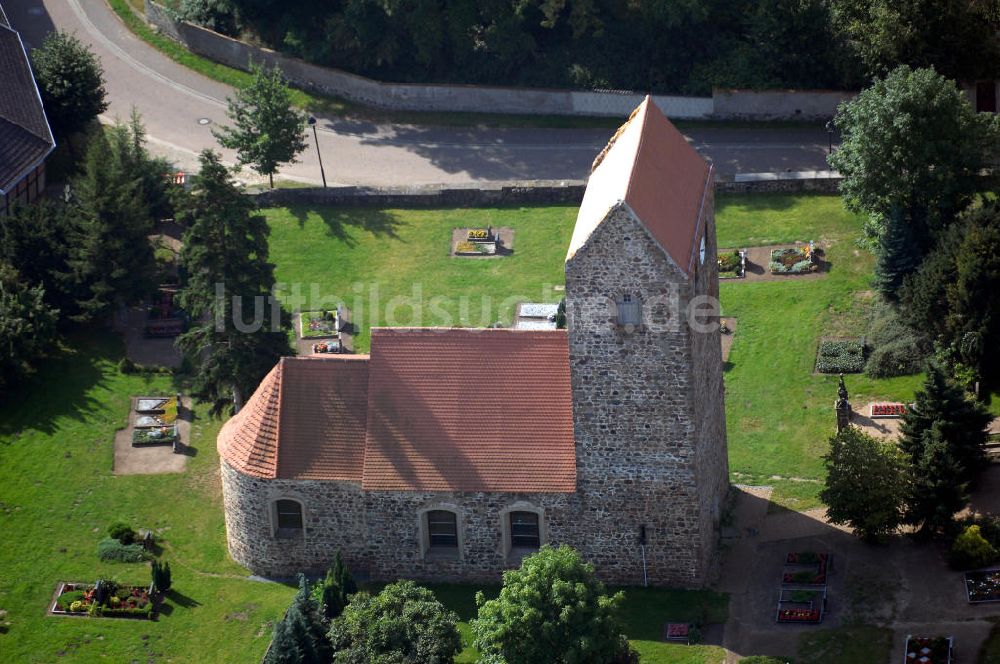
x,y
794,260
805,568
105,599
730,265
888,409
478,242
154,436
929,650
840,356
801,606
983,586
320,324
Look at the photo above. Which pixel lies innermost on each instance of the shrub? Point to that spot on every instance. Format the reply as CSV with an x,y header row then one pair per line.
x,y
121,532
160,575
403,624
840,357
68,598
903,357
790,261
551,609
729,262
970,550
126,366
112,550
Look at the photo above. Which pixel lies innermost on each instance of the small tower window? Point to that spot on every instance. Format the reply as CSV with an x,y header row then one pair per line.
x,y
629,310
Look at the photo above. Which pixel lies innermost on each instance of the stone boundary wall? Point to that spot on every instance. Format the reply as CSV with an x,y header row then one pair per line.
x,y
569,192
417,97
805,105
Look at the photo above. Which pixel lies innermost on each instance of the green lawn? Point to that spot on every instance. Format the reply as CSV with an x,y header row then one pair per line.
x,y
778,412
57,497
862,644
381,263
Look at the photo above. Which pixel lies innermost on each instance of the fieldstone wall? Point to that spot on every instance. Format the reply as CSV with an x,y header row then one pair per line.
x,y
333,518
382,534
640,460
708,391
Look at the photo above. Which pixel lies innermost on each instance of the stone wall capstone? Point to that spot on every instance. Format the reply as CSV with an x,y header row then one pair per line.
x,y
533,192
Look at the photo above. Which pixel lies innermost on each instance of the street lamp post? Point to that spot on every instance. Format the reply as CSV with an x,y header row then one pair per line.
x,y
312,123
829,135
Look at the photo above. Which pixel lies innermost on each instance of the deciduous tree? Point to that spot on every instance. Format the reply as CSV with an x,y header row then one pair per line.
x,y
552,610
267,131
71,82
912,145
865,484
403,624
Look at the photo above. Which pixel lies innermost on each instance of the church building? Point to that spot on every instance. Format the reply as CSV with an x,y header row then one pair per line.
x,y
449,454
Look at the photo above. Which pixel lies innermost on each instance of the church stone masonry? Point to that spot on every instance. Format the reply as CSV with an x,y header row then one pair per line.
x,y
609,436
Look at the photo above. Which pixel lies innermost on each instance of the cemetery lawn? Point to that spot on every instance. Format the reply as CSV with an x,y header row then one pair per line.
x,y
404,257
779,414
58,496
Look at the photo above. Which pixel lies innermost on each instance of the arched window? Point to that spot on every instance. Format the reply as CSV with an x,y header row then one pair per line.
x,y
524,532
442,530
288,518
629,310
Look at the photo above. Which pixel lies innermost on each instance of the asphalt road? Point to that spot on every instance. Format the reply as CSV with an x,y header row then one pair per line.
x,y
179,108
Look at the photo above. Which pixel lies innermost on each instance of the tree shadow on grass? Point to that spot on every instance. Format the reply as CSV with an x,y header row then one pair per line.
x,y
377,222
60,387
180,600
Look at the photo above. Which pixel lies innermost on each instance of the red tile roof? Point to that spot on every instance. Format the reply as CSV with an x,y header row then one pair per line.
x,y
305,421
431,410
469,410
651,167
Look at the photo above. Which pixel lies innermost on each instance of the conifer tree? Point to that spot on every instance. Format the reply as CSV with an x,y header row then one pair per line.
x,y
240,331
112,258
960,422
300,638
897,257
336,588
937,485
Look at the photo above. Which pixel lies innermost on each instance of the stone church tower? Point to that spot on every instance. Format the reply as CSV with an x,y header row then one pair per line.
x,y
645,359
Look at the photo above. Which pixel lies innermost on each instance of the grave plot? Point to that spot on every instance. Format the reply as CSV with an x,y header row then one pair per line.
x,y
155,421
105,599
486,242
983,586
929,649
802,593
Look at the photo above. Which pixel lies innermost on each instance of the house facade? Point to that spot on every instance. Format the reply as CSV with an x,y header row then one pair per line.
x,y
451,453
25,137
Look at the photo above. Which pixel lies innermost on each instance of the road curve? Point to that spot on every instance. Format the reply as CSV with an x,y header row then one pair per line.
x,y
180,107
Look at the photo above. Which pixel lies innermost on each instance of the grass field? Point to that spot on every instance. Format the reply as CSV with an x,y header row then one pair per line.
x,y
395,266
778,412
861,644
